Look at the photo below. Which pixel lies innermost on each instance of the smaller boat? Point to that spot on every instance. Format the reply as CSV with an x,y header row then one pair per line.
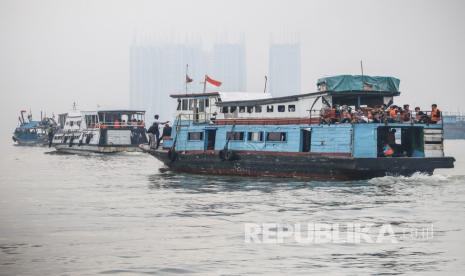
x,y
33,133
104,131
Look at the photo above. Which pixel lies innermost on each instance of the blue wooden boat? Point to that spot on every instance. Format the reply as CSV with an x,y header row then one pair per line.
x,y
303,135
32,133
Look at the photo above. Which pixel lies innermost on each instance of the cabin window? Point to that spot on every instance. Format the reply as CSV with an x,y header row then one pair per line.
x,y
233,109
281,108
207,102
241,109
276,136
225,109
269,108
179,105
191,104
78,123
184,104
291,108
249,109
71,123
235,135
201,106
195,136
255,136
258,109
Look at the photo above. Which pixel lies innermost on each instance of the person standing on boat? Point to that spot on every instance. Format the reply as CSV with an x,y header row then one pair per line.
x,y
154,133
435,114
50,133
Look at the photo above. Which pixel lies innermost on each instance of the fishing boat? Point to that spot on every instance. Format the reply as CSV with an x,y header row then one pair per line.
x,y
254,134
32,133
103,131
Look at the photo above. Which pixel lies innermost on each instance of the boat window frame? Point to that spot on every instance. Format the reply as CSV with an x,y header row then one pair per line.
x,y
270,108
289,106
258,109
185,104
233,139
281,108
267,137
195,132
249,137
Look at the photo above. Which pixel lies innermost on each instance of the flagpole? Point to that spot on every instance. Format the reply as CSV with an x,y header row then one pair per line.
x,y
205,84
187,70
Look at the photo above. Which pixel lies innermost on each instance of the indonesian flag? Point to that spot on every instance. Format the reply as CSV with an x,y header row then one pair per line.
x,y
212,81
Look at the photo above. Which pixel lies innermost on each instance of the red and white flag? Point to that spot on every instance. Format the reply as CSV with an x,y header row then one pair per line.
x,y
212,81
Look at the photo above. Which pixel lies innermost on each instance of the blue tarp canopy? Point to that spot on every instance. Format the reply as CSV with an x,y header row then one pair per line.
x,y
344,83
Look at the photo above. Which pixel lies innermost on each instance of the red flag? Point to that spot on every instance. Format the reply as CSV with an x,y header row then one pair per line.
x,y
212,81
188,79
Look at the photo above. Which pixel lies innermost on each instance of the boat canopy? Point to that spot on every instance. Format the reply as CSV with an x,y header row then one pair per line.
x,y
350,83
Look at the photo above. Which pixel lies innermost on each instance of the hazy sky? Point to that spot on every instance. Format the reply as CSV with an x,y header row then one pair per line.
x,y
55,52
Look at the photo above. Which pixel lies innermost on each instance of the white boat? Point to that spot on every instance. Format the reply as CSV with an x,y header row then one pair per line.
x,y
104,131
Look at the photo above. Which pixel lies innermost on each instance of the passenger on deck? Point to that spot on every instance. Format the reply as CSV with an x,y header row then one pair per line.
x,y
154,133
435,114
420,116
166,131
359,116
406,116
346,117
392,114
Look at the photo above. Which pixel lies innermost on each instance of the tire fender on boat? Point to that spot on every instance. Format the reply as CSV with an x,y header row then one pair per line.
x,y
172,155
227,155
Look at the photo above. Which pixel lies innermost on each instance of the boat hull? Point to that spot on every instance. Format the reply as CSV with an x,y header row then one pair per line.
x,y
297,165
36,141
76,149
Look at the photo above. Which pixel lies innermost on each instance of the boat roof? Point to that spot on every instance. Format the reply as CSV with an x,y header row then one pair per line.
x,y
270,100
226,96
121,111
359,83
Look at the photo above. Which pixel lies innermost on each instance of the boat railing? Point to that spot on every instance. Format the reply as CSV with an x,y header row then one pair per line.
x,y
329,116
198,117
112,125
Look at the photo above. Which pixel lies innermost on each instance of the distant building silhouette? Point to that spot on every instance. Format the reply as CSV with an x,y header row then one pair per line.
x,y
229,66
284,69
158,70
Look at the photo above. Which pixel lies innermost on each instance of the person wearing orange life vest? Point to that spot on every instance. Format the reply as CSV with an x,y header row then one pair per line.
x,y
435,114
392,114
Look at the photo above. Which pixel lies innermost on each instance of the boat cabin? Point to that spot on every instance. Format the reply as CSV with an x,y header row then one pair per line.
x,y
297,123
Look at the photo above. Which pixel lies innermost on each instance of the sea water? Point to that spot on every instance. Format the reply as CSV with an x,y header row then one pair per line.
x,y
119,214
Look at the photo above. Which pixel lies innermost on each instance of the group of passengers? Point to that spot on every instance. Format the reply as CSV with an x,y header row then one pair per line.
x,y
379,114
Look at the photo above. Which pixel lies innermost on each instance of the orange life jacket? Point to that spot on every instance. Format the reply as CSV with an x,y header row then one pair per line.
x,y
435,115
388,151
393,113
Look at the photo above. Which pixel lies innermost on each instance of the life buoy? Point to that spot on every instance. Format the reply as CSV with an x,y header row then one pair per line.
x,y
227,155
